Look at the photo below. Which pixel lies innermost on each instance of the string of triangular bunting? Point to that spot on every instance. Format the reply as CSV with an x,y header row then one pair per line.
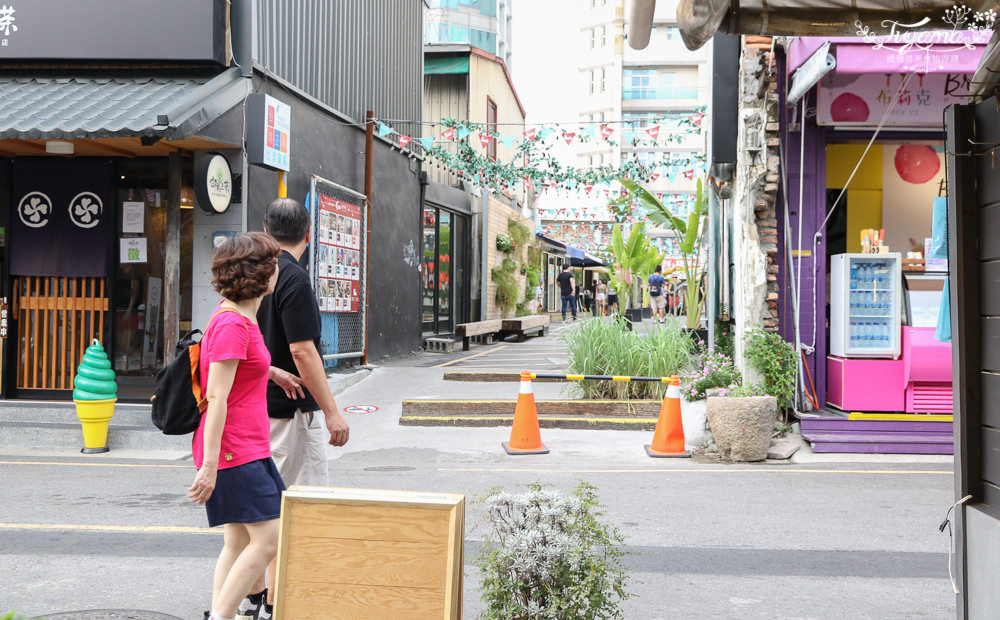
x,y
533,162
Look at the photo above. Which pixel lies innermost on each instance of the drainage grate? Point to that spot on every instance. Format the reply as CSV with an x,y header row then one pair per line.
x,y
111,614
390,468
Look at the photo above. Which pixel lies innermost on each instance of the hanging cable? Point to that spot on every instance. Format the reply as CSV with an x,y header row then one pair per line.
x,y
798,276
789,272
951,540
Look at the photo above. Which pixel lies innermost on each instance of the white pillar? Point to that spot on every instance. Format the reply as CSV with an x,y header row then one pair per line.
x,y
750,274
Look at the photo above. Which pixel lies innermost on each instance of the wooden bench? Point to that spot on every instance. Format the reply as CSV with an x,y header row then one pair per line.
x,y
479,328
523,326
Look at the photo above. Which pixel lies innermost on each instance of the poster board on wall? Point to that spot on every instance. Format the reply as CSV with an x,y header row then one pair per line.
x,y
369,553
339,260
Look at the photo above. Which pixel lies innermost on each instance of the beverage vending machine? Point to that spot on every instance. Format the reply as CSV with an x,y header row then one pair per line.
x,y
865,304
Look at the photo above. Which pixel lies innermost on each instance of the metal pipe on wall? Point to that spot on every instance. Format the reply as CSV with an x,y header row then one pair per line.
x,y
713,262
483,246
369,190
640,23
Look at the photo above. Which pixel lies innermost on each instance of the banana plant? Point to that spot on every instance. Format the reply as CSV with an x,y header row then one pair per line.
x,y
634,260
690,233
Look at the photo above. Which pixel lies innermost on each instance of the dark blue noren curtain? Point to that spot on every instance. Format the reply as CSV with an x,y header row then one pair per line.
x,y
62,218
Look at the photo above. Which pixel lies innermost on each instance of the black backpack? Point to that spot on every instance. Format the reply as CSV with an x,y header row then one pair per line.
x,y
178,401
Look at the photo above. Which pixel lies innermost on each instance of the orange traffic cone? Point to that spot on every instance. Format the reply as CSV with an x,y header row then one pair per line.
x,y
524,435
668,439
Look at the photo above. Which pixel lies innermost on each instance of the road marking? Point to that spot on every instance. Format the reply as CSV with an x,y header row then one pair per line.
x,y
785,469
541,418
58,463
516,359
154,529
473,356
507,367
511,359
362,409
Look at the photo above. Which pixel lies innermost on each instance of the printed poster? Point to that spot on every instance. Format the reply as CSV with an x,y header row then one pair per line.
x,y
133,250
338,259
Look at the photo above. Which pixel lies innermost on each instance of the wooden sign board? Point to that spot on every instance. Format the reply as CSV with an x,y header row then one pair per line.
x,y
369,553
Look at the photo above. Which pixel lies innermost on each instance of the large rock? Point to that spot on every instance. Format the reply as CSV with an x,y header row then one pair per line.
x,y
742,426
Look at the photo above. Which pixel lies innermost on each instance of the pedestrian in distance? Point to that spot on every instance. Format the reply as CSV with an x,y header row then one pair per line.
x,y
601,298
612,301
567,289
657,299
305,421
237,480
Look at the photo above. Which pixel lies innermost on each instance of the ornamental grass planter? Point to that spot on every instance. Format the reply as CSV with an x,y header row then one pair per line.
x,y
742,427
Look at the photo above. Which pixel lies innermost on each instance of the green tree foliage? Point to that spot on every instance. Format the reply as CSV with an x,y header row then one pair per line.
x,y
508,289
634,260
690,234
774,359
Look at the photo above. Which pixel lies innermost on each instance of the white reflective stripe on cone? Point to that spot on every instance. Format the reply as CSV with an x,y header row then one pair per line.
x,y
674,391
526,388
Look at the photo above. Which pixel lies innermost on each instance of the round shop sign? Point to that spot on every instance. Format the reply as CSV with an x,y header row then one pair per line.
x,y
361,409
35,209
213,185
85,210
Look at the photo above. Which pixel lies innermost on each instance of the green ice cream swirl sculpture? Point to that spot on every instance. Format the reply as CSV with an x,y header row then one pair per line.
x,y
94,378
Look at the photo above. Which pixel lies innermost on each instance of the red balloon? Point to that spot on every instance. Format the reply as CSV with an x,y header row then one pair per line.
x,y
849,108
917,163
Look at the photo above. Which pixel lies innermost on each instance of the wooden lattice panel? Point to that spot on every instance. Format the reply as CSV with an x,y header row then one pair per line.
x,y
56,320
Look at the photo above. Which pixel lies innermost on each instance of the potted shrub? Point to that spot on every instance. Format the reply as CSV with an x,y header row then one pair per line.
x,y
743,418
551,556
713,373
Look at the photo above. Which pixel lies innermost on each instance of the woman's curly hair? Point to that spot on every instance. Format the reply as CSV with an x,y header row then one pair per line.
x,y
243,265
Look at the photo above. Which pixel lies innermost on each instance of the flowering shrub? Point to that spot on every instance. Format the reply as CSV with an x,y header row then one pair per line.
x,y
716,370
504,243
549,556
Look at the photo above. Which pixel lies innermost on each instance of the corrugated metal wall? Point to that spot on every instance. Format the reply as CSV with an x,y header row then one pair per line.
x,y
353,55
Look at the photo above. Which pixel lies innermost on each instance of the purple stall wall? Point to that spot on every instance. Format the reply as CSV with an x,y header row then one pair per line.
x,y
811,165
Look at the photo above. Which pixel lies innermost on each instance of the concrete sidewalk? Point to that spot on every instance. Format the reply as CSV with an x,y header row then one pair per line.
x,y
51,428
36,429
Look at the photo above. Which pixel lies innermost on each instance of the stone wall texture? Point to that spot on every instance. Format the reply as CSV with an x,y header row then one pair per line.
x,y
757,53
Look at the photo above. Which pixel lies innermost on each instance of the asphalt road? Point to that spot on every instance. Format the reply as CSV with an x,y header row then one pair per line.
x,y
705,540
837,538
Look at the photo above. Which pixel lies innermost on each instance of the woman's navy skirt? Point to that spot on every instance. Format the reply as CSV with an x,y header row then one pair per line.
x,y
246,493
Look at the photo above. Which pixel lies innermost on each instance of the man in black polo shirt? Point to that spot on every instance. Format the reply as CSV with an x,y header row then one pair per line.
x,y
289,319
567,287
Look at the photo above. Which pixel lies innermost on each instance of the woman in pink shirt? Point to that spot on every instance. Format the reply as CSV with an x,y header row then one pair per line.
x,y
237,481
